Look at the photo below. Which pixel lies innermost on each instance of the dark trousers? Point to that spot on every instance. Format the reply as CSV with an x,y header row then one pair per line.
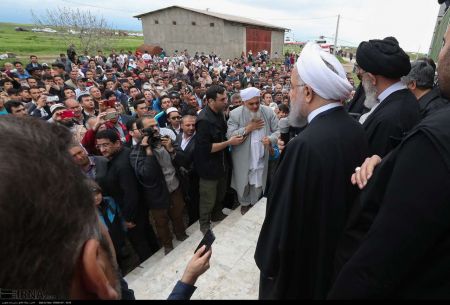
x,y
175,214
142,236
230,198
212,193
191,194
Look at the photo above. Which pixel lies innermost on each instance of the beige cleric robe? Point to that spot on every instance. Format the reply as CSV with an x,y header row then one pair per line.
x,y
239,119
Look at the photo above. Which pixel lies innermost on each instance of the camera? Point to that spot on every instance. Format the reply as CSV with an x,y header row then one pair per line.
x,y
154,140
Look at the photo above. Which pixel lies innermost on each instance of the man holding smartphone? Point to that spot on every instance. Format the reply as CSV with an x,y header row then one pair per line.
x,y
39,109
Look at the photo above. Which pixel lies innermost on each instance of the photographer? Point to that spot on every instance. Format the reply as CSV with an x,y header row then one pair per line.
x,y
152,162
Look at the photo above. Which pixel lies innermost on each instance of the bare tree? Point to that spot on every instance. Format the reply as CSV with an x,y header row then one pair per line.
x,y
83,29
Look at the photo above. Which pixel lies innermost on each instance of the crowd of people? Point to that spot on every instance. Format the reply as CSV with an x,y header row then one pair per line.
x,y
160,142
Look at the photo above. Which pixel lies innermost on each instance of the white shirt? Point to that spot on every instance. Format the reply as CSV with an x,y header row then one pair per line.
x,y
391,89
388,91
319,110
185,141
146,56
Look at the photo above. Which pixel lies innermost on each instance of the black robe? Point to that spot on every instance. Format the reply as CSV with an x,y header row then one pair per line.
x,y
356,105
397,241
431,102
307,208
391,121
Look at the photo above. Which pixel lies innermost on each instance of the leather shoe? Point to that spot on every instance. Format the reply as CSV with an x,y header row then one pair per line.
x,y
244,209
182,237
205,229
167,250
219,217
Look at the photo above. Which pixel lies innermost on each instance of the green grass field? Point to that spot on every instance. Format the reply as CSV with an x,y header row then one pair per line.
x,y
47,45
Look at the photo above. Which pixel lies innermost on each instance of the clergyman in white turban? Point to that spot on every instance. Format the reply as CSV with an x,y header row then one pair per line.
x,y
311,194
259,126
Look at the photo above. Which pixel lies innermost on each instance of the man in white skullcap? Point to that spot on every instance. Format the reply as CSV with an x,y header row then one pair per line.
x,y
311,192
258,124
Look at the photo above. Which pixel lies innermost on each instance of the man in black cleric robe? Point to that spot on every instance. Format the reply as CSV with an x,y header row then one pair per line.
x,y
356,104
397,242
311,195
396,110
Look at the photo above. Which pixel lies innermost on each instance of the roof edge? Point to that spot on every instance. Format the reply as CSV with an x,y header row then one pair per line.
x,y
261,24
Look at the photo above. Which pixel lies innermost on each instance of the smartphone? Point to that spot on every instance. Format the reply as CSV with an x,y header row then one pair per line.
x,y
110,116
67,114
207,240
53,98
111,104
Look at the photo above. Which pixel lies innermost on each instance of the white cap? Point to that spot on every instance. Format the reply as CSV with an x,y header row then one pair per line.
x,y
55,107
250,93
171,109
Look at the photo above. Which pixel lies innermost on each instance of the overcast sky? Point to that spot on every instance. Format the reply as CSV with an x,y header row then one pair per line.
x,y
410,21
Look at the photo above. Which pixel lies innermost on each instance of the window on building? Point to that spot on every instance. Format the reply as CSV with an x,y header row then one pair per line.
x,y
193,23
174,22
211,24
156,22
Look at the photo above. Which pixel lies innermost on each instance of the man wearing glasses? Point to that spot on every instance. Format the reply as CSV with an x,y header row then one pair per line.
x,y
174,120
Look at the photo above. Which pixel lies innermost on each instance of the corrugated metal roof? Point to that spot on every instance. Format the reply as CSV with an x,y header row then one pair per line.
x,y
231,18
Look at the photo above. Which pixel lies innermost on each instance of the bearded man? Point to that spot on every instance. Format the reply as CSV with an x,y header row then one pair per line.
x,y
311,194
393,108
258,124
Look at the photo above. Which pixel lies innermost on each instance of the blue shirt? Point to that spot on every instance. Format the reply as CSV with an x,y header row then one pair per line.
x,y
156,106
25,75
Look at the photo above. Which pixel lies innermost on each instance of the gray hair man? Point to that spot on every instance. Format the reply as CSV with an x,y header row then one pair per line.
x,y
258,124
420,81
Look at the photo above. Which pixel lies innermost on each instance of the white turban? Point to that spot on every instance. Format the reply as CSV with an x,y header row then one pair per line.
x,y
329,84
249,93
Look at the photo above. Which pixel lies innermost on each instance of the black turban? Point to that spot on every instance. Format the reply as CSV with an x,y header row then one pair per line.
x,y
383,57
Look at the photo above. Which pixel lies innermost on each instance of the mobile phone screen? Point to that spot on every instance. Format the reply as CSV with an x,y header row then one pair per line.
x,y
207,240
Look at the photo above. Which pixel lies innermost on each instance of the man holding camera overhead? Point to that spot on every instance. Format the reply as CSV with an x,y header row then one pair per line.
x,y
152,163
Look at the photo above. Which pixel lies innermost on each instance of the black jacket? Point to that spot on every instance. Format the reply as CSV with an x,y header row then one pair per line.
x,y
185,158
34,112
119,182
151,178
431,102
391,121
211,128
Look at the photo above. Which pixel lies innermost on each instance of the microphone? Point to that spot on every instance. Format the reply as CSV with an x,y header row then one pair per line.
x,y
284,126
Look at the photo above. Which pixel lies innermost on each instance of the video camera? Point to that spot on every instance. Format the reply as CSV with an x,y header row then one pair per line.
x,y
154,140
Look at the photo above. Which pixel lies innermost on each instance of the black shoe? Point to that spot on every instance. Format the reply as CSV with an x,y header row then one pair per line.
x,y
205,229
182,237
219,217
167,250
235,205
244,209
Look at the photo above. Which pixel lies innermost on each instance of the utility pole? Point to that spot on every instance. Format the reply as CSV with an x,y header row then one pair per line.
x,y
336,36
